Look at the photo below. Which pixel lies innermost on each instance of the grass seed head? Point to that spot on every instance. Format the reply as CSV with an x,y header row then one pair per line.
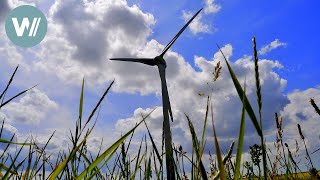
x,y
300,132
314,105
217,71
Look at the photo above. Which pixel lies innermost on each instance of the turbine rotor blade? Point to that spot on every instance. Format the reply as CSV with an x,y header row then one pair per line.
x,y
148,61
165,94
179,33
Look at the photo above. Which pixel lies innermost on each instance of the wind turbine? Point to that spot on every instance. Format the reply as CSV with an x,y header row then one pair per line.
x,y
161,63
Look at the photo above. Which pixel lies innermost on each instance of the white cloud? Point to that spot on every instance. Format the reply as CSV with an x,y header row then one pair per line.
x,y
300,111
11,52
211,7
196,26
273,45
30,109
104,28
83,47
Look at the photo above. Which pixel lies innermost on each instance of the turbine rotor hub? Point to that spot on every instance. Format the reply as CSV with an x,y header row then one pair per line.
x,y
159,60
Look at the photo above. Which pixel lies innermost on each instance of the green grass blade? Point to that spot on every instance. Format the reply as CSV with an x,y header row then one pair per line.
x,y
242,96
99,169
27,171
2,166
205,122
148,170
222,173
6,148
16,168
63,164
196,148
109,150
156,171
88,161
7,174
10,81
137,167
240,142
42,153
229,153
81,101
154,145
138,163
10,142
192,162
98,104
19,94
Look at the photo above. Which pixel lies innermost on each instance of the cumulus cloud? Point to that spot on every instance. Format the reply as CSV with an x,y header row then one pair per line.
x,y
82,47
95,29
10,52
211,7
197,25
271,46
300,111
31,108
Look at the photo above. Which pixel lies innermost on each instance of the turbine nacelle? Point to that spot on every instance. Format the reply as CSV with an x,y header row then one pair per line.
x,y
159,60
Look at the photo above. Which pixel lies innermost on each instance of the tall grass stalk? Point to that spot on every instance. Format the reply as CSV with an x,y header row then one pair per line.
x,y
305,145
259,100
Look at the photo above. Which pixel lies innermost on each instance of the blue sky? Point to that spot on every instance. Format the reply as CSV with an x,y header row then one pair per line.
x,y
286,33
293,22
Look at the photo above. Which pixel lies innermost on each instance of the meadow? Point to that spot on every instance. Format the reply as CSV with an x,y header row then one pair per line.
x,y
148,162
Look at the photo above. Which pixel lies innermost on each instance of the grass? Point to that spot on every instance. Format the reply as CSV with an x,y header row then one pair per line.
x,y
297,176
147,162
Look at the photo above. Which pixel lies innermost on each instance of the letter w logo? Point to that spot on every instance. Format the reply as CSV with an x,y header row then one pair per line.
x,y
25,25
